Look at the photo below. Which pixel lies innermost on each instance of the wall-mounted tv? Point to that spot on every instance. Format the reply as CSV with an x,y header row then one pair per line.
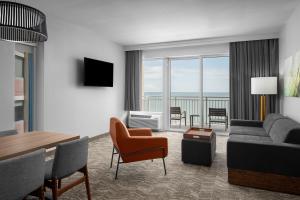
x,y
98,73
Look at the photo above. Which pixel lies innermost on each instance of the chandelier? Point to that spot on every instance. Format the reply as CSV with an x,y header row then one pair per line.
x,y
22,23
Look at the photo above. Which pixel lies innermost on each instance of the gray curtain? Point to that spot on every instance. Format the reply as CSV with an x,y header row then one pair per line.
x,y
251,59
132,80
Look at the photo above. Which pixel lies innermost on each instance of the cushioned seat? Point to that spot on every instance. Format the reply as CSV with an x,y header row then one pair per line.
x,y
251,138
48,169
248,130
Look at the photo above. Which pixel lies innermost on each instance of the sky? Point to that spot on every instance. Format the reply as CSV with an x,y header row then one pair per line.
x,y
185,75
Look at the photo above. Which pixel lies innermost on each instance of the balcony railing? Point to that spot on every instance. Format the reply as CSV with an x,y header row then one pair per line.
x,y
190,104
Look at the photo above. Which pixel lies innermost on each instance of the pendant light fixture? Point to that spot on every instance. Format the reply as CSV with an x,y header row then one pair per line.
x,y
22,23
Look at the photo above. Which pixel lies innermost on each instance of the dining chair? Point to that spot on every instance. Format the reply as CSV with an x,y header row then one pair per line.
x,y
22,175
70,157
136,144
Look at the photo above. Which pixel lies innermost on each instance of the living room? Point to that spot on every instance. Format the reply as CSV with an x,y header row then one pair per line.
x,y
204,94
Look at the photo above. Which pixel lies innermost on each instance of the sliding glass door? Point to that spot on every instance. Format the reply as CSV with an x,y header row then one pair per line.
x,y
185,92
152,76
215,85
185,88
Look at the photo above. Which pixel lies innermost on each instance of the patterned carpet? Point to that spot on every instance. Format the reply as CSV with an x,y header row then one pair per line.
x,y
146,180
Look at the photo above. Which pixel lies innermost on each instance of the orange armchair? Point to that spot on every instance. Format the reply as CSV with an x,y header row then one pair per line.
x,y
135,144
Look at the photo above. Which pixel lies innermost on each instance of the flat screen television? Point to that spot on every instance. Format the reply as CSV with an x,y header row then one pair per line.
x,y
98,73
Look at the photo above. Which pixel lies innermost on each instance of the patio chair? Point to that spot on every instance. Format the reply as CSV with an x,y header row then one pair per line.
x,y
177,115
218,115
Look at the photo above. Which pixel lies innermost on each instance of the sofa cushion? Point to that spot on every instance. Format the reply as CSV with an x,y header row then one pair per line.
x,y
248,130
251,138
293,137
282,128
270,119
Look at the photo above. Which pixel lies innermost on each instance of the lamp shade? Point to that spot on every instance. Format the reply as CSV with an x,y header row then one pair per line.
x,y
264,85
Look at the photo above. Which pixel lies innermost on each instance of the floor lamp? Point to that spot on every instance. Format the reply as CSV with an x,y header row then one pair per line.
x,y
263,86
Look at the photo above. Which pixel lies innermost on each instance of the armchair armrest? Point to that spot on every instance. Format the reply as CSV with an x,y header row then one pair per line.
x,y
263,156
136,144
239,122
140,131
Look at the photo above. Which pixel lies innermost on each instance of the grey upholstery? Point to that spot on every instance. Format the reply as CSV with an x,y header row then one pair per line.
x,y
251,138
8,132
22,175
272,148
254,123
263,156
248,130
69,158
270,120
281,128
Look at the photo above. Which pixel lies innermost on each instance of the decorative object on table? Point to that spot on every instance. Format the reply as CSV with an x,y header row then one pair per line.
x,y
22,23
292,76
263,86
136,144
198,146
218,115
177,115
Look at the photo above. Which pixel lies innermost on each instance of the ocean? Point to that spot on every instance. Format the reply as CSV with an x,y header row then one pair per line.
x,y
190,94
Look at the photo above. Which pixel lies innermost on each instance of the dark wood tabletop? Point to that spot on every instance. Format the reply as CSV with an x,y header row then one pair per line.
x,y
19,144
198,133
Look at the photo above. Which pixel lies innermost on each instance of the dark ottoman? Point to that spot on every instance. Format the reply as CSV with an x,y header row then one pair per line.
x,y
198,151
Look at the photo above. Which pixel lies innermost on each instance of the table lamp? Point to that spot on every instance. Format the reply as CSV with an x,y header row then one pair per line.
x,y
263,86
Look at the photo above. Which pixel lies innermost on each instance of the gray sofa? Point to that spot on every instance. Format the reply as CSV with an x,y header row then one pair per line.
x,y
265,154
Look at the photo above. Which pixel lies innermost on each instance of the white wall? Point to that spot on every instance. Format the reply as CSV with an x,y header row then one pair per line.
x,y
289,45
70,107
7,77
213,49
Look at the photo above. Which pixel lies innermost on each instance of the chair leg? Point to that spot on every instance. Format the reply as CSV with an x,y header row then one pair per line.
x,y
39,193
185,121
164,166
116,176
42,194
180,123
59,183
54,189
112,157
87,183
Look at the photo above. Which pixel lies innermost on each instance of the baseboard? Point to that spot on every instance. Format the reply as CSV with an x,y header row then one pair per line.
x,y
97,137
267,181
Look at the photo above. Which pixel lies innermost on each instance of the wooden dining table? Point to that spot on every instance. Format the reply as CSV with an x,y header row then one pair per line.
x,y
19,144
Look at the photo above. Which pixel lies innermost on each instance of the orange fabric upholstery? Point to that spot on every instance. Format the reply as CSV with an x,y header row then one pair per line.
x,y
137,144
140,131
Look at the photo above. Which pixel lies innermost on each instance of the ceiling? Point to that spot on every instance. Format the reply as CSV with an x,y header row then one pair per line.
x,y
132,22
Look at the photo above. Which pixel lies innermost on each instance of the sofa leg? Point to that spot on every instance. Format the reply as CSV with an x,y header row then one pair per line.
x,y
164,166
116,176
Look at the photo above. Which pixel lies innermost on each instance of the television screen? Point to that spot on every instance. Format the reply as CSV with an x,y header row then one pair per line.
x,y
98,73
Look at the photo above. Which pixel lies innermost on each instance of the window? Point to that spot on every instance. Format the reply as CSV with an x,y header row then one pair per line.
x,y
152,84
